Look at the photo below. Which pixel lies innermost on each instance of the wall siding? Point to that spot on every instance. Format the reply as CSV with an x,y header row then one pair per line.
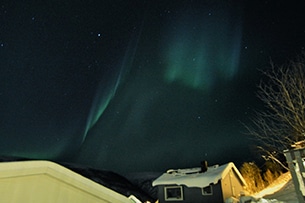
x,y
194,195
231,185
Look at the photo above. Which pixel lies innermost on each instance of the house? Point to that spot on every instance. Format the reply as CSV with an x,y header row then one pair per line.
x,y
200,185
48,182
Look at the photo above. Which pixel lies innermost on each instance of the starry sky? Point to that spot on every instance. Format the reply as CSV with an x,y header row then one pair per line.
x,y
138,85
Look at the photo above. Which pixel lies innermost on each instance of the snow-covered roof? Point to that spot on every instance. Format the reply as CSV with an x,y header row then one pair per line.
x,y
193,177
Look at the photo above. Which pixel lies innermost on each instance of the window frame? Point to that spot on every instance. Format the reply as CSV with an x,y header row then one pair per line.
x,y
204,193
181,198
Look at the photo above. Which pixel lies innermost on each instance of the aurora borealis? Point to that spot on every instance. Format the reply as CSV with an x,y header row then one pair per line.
x,y
204,47
138,85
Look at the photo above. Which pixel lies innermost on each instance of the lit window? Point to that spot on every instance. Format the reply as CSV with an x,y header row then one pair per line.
x,y
173,193
207,190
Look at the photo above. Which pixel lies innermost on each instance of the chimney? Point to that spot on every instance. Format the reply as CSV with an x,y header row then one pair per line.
x,y
204,166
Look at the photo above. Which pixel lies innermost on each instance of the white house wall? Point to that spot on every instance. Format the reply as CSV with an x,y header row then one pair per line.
x,y
42,181
231,185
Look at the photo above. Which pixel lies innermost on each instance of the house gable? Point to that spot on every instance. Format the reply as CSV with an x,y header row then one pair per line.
x,y
231,185
44,181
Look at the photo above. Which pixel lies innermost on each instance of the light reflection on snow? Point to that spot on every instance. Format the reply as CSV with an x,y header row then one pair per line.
x,y
272,189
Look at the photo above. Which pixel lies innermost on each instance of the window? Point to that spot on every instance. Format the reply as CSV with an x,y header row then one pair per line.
x,y
207,190
173,193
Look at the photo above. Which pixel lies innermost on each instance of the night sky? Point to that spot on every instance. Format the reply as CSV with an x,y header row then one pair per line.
x,y
138,85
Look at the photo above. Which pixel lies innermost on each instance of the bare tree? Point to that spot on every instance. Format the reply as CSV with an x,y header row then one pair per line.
x,y
281,123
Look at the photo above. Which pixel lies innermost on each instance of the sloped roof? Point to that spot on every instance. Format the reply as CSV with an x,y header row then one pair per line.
x,y
194,178
109,179
18,179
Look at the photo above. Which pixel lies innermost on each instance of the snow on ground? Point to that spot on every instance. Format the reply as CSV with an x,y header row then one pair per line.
x,y
281,191
286,194
278,184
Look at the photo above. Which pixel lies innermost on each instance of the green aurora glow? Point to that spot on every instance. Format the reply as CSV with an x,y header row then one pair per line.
x,y
105,94
203,50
